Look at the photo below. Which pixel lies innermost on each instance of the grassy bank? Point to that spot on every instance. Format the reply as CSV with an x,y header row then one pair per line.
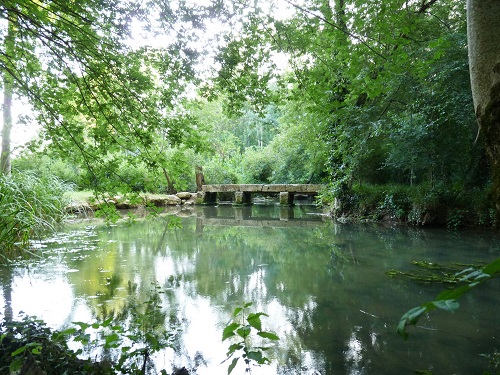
x,y
29,207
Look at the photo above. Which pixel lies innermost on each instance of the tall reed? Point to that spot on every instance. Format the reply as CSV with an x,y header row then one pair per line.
x,y
29,207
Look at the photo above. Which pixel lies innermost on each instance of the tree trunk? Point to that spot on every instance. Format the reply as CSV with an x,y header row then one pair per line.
x,y
8,90
200,179
170,183
483,23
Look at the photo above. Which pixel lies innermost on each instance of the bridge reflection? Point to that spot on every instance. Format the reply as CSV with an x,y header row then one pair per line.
x,y
250,216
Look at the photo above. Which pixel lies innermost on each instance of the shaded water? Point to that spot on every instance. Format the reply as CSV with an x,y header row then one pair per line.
x,y
323,285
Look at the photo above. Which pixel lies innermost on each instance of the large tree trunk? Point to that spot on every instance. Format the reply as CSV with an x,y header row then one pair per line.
x,y
7,127
8,90
483,25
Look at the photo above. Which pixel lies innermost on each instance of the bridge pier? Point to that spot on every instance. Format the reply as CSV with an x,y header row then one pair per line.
x,y
243,192
210,198
286,198
242,198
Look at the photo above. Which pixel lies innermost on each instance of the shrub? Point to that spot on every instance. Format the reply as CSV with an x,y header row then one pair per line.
x,y
45,165
441,204
258,166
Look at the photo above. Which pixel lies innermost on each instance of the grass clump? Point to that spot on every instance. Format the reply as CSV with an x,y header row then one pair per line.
x,y
29,207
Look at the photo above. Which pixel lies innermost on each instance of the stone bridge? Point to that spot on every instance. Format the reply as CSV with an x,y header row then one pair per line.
x,y
243,192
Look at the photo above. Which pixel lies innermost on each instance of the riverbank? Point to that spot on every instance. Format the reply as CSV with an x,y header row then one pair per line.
x,y
419,205
83,202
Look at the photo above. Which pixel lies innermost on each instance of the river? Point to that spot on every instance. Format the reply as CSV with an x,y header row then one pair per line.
x,y
323,284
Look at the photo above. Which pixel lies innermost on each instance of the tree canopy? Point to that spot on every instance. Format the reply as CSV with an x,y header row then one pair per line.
x,y
343,92
94,92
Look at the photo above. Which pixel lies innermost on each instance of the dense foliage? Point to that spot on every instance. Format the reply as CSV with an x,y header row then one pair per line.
x,y
374,95
356,95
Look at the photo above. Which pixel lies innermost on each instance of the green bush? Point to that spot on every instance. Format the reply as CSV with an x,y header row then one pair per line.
x,y
258,166
45,165
218,173
449,205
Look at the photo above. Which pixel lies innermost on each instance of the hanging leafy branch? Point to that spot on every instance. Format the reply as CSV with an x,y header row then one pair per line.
x,y
447,300
92,90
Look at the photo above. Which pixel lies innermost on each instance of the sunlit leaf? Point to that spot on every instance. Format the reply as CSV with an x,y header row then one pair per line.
x,y
107,322
66,332
18,351
254,320
237,311
229,331
36,350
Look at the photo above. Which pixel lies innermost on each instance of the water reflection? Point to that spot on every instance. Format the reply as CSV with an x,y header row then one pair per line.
x,y
323,285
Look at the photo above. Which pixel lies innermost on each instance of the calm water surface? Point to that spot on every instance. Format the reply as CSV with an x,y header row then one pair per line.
x,y
323,285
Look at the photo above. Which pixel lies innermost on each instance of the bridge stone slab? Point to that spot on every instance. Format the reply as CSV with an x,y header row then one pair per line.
x,y
243,191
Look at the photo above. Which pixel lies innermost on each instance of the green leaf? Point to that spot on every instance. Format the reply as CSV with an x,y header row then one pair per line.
x,y
411,317
256,356
237,311
112,341
16,365
68,331
268,335
233,348
476,275
254,321
36,350
83,338
232,365
83,326
229,331
18,351
107,322
244,332
449,304
117,328
454,293
493,267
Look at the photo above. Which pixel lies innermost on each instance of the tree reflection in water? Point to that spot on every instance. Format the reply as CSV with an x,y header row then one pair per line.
x,y
323,285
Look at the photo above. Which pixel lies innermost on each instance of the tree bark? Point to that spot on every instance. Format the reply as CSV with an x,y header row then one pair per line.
x,y
483,25
200,179
8,91
170,184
